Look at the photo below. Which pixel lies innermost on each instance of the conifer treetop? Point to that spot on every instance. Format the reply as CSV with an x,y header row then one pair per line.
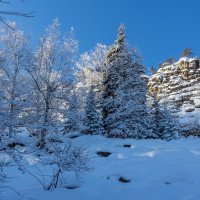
x,y
121,35
119,44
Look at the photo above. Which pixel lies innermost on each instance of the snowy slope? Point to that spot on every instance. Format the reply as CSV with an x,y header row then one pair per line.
x,y
157,170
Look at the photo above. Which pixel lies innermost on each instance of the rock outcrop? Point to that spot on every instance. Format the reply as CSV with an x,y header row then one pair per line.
x,y
178,86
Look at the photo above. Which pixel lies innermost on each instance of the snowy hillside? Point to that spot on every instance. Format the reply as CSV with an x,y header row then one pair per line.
x,y
135,169
92,124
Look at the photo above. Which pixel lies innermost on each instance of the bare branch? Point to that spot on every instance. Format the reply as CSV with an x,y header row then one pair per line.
x,y
17,13
12,13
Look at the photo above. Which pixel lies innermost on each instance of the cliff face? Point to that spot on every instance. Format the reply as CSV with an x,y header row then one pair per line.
x,y
178,86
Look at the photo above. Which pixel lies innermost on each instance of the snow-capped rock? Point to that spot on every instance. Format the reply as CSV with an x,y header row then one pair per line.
x,y
177,85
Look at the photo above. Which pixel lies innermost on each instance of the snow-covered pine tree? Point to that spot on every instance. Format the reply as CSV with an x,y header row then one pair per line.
x,y
92,122
164,124
124,109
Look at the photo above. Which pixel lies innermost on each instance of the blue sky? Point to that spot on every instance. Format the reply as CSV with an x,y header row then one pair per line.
x,y
157,28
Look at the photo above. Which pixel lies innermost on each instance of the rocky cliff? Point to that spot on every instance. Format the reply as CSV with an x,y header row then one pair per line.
x,y
178,86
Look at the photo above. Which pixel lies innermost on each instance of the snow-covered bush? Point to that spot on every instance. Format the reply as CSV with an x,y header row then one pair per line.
x,y
62,159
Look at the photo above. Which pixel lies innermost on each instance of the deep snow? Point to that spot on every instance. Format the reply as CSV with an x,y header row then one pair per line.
x,y
157,169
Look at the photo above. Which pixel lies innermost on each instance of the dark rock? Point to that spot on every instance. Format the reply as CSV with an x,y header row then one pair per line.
x,y
14,144
127,145
72,187
103,153
74,136
124,180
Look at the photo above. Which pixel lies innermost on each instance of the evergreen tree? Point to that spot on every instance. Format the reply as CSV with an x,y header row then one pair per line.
x,y
164,125
152,70
124,109
187,52
92,123
71,116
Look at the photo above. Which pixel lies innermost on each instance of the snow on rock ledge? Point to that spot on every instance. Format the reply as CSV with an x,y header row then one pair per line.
x,y
178,86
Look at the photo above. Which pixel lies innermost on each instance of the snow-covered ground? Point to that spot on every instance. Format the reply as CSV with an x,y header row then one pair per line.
x,y
157,170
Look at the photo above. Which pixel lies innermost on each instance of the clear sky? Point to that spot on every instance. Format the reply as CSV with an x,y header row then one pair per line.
x,y
157,28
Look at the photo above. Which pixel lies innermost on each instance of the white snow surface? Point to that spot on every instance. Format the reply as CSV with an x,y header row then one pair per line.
x,y
157,170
